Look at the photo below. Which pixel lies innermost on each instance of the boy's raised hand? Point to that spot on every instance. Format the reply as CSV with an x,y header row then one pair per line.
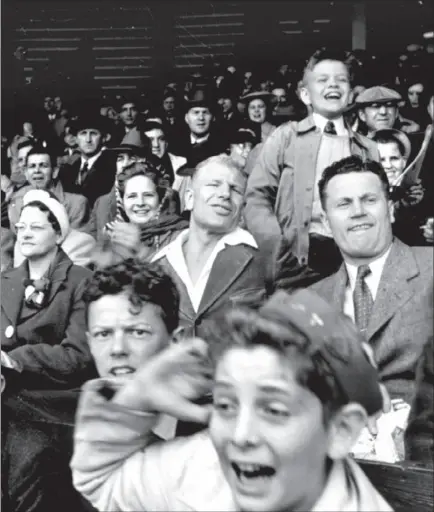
x,y
169,381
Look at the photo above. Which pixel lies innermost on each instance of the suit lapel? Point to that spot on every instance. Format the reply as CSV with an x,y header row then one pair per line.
x,y
185,307
225,270
393,290
13,289
61,265
339,287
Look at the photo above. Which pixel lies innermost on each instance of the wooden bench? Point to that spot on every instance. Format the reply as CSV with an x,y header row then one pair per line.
x,y
408,487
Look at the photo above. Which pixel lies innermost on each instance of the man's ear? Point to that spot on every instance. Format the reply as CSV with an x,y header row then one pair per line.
x,y
107,137
189,198
305,96
351,97
392,212
325,220
344,430
362,115
55,172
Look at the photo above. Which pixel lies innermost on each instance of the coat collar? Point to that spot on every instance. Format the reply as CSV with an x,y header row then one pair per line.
x,y
226,269
13,284
308,124
393,290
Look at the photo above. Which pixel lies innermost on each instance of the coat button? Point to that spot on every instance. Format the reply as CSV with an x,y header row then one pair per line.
x,y
9,331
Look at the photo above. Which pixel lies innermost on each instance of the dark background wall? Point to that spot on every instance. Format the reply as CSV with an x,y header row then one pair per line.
x,y
123,45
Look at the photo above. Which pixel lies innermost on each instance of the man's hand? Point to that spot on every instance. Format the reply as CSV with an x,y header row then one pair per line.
x,y
428,230
414,194
169,381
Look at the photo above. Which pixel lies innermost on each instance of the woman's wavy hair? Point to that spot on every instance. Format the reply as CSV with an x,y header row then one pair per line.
x,y
150,168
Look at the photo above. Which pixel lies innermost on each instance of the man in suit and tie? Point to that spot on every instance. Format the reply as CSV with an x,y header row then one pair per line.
x,y
199,139
94,173
383,285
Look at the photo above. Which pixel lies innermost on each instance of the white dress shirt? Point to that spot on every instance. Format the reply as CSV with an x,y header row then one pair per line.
x,y
175,256
321,121
198,140
90,161
372,281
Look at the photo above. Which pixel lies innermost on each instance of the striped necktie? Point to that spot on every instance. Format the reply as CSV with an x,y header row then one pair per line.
x,y
362,298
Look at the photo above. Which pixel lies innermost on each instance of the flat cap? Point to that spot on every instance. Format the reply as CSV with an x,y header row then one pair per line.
x,y
333,337
378,94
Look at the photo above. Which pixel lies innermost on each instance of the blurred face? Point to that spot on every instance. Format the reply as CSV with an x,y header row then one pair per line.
x,y
359,215
216,198
379,116
140,199
123,160
39,171
226,104
28,130
392,160
35,235
119,340
169,104
240,152
158,142
22,156
414,94
257,111
112,114
327,88
268,432
57,103
89,141
129,114
48,104
279,95
198,120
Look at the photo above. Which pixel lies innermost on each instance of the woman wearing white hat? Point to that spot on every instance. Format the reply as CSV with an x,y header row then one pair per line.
x,y
42,313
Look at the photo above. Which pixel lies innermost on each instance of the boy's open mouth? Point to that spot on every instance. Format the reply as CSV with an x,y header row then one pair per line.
x,y
251,472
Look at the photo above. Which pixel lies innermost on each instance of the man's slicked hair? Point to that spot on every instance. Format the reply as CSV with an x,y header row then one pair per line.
x,y
222,159
347,58
351,164
144,282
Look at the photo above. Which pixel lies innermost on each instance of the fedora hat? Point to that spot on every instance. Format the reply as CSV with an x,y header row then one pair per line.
x,y
199,97
255,95
133,142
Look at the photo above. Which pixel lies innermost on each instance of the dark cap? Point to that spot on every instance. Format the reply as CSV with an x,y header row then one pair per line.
x,y
243,134
91,120
378,94
335,338
200,98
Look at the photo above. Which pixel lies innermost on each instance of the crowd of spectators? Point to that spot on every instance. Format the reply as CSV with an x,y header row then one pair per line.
x,y
233,279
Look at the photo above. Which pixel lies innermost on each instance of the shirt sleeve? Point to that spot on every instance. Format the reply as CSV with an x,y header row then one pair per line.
x,y
118,463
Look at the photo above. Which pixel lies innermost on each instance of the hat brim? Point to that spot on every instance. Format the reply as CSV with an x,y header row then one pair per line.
x,y
266,96
128,148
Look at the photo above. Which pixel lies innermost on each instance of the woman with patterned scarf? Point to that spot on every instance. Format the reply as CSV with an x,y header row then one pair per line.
x,y
147,215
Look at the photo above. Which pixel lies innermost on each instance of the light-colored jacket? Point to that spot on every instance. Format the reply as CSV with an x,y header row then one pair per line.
x,y
114,467
280,188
